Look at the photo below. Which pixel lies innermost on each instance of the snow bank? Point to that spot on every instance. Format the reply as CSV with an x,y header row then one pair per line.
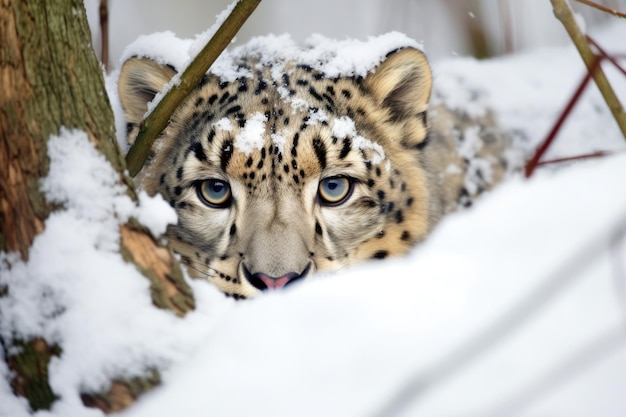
x,y
497,301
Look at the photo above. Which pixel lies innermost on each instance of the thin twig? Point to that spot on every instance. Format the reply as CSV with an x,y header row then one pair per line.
x,y
104,33
598,154
157,120
532,164
564,13
603,8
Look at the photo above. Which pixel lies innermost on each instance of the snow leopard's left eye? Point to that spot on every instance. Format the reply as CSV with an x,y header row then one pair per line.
x,y
214,193
333,191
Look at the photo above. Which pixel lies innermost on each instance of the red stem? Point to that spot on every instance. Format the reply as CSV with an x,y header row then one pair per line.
x,y
531,165
607,56
596,154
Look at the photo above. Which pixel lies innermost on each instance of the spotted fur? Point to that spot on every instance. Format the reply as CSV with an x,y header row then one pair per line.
x,y
277,228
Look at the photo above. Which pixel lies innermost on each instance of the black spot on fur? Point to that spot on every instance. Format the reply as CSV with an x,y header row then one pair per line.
x,y
347,146
262,85
409,202
315,94
320,152
212,99
423,143
318,229
198,151
179,173
224,97
399,216
380,194
405,236
233,109
249,162
227,153
233,229
346,93
381,254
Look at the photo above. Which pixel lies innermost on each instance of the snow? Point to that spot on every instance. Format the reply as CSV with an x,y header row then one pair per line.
x,y
515,307
224,124
78,292
474,283
344,127
252,136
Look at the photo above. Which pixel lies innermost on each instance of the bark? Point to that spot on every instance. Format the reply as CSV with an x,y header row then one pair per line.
x,y
50,78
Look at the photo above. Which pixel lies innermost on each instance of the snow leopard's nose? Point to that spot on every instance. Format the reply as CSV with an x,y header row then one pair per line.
x,y
263,281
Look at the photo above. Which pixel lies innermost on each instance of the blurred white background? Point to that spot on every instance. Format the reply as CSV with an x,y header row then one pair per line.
x,y
447,27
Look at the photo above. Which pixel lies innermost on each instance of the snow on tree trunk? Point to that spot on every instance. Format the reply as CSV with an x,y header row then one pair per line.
x,y
49,79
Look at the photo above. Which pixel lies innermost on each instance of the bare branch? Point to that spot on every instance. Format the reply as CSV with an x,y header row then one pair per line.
x,y
603,8
157,120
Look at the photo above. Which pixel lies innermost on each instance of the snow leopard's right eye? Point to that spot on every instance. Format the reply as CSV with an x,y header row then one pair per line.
x,y
334,191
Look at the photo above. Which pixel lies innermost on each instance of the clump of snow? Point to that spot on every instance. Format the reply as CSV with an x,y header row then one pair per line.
x,y
163,47
224,124
349,57
334,58
154,213
344,127
316,116
252,136
278,141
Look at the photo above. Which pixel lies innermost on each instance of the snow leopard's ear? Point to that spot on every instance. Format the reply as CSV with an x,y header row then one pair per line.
x,y
402,84
140,80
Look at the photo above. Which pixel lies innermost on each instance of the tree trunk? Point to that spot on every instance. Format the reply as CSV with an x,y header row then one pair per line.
x,y
50,78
